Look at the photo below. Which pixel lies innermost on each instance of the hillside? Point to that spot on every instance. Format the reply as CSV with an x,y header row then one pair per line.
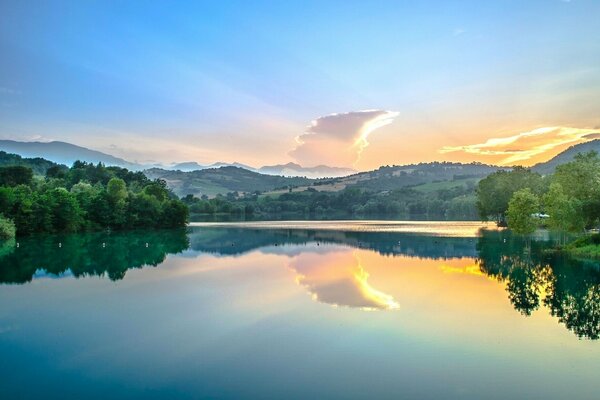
x,y
194,166
293,169
39,166
222,180
566,156
395,177
63,153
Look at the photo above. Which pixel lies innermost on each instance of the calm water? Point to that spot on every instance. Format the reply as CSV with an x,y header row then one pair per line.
x,y
298,310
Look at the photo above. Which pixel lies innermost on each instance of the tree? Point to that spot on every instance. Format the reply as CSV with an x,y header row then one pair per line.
x,y
7,228
15,175
521,208
580,178
565,212
174,214
66,214
116,189
495,191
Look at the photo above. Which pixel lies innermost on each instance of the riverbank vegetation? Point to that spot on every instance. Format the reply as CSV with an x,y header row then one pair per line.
x,y
567,201
457,202
86,197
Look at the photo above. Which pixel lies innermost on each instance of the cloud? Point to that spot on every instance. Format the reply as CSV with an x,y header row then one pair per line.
x,y
339,278
458,31
527,146
339,139
7,90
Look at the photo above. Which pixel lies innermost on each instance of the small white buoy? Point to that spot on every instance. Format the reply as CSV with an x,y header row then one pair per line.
x,y
59,244
146,244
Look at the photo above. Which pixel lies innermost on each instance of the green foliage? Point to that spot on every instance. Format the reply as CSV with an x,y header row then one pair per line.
x,y
455,203
15,175
521,208
87,197
495,191
39,166
580,179
7,228
565,212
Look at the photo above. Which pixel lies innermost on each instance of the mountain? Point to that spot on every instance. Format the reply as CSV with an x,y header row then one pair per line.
x,y
212,181
293,169
194,166
64,153
39,166
569,154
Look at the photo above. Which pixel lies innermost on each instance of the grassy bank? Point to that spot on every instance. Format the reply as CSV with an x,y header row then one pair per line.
x,y
585,247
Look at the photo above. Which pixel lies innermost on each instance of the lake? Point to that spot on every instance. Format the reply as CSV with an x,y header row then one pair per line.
x,y
328,309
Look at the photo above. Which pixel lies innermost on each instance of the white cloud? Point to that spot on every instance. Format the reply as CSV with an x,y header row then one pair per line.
x,y
339,139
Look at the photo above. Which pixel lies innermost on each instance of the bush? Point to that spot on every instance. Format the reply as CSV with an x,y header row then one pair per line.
x,y
7,228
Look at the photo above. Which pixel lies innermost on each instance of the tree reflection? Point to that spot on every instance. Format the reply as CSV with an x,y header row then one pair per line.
x,y
569,288
92,254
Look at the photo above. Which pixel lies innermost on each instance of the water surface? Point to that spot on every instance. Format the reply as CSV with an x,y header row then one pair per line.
x,y
333,309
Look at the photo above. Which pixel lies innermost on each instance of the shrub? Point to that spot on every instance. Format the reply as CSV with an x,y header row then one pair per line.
x,y
7,228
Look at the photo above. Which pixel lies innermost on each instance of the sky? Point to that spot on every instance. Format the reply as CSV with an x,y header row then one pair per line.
x,y
349,84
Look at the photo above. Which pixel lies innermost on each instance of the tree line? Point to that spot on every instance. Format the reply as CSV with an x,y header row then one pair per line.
x,y
454,203
566,201
85,197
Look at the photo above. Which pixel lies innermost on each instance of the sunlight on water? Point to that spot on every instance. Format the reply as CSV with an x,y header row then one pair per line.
x,y
434,228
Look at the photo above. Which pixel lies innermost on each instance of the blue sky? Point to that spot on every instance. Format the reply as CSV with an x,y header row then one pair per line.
x,y
241,81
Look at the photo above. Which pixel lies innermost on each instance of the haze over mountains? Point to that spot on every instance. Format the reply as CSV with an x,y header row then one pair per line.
x,y
67,153
222,178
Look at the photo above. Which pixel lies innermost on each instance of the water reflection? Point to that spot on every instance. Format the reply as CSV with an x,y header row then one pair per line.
x,y
338,278
332,265
90,254
569,288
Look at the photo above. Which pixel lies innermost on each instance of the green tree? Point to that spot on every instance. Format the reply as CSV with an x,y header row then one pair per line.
x,y
7,228
15,175
66,214
580,178
174,214
565,212
116,189
521,208
496,190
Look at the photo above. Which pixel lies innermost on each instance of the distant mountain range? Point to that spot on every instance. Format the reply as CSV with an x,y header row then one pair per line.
x,y
292,169
221,178
64,153
194,166
67,153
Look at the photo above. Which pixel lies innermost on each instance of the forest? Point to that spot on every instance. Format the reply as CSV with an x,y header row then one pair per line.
x,y
85,197
456,202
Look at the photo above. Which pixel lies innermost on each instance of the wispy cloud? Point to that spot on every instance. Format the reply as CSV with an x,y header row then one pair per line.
x,y
458,31
7,90
526,146
339,139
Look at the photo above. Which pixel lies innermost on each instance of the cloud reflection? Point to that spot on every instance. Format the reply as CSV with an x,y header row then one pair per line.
x,y
339,278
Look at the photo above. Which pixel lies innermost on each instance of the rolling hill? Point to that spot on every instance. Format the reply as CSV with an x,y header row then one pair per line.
x,y
222,180
38,165
64,153
569,154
